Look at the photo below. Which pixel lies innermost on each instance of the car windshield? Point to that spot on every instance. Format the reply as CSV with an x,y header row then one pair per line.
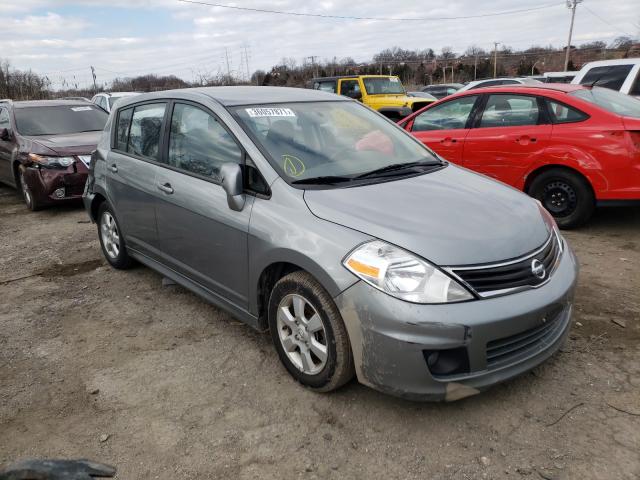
x,y
314,140
60,119
610,100
382,85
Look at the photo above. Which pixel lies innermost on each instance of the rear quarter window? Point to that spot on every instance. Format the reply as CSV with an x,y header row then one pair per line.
x,y
122,128
561,113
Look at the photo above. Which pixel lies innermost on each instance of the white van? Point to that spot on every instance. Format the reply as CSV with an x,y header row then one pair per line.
x,y
621,75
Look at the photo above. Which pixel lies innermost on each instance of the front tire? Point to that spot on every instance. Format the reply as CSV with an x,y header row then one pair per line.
x,y
27,194
111,239
309,334
566,195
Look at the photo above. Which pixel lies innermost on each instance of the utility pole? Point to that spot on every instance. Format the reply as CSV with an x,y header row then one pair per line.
x,y
93,74
313,64
495,59
475,67
572,4
246,61
226,53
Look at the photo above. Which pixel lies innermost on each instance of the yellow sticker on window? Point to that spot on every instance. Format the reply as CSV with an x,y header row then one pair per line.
x,y
293,166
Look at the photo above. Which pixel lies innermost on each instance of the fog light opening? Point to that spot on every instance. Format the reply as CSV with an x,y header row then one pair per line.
x,y
453,361
59,193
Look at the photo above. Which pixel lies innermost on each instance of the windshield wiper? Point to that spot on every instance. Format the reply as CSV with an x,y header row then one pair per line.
x,y
323,180
399,167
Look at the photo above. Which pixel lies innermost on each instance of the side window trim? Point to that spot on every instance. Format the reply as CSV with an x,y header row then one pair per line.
x,y
114,131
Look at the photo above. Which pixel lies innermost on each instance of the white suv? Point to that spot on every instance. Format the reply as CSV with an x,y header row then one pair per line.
x,y
107,100
622,75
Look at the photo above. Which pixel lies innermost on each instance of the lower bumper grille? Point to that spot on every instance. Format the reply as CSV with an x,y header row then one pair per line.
x,y
507,350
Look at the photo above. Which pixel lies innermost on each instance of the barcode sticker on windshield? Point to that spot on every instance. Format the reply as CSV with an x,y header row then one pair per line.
x,y
80,109
394,80
270,112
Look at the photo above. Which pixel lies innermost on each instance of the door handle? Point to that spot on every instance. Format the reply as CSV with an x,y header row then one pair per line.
x,y
114,168
448,140
166,188
525,139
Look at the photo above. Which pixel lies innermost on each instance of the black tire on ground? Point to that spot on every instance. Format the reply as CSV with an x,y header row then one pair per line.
x,y
27,194
566,195
338,368
120,259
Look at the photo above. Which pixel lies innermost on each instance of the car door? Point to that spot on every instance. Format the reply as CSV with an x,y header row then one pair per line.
x,y
131,173
509,132
444,127
7,148
200,236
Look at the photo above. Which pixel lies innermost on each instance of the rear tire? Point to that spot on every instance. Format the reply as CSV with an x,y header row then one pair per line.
x,y
566,195
309,334
112,239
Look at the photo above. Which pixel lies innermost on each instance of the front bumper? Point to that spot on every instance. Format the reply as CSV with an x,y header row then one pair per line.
x,y
55,185
389,336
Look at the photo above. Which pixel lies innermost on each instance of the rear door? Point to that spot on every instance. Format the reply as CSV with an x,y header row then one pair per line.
x,y
444,127
132,170
509,132
200,236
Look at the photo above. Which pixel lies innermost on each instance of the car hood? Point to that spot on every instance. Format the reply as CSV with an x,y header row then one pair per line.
x,y
450,217
69,144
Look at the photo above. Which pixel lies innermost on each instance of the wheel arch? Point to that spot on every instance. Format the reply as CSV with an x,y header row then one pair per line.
x,y
545,168
97,200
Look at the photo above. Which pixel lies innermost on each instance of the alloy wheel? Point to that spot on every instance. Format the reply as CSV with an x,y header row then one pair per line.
x,y
302,334
110,235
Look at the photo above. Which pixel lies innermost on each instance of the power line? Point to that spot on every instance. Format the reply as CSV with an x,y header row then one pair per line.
x,y
606,21
348,17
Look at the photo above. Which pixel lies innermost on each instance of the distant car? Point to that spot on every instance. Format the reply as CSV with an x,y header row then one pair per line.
x,y
45,148
495,82
558,77
569,146
107,100
442,90
384,93
622,75
363,253
82,99
422,95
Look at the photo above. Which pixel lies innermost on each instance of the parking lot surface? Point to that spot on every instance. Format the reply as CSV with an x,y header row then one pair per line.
x,y
110,365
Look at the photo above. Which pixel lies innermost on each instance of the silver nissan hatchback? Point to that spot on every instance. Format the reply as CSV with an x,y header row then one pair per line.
x,y
359,249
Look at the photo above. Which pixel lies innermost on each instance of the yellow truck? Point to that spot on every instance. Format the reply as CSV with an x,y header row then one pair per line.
x,y
383,93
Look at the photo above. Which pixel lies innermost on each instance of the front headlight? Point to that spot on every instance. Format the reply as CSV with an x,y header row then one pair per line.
x,y
403,275
53,162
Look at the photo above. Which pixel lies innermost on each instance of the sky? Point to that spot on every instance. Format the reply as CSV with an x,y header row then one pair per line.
x,y
63,38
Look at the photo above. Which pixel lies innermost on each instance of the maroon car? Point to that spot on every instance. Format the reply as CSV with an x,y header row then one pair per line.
x,y
45,148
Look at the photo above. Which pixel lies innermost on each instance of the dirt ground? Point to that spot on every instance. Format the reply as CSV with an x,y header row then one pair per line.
x,y
183,390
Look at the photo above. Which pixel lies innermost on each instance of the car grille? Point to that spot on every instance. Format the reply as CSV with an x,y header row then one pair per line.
x,y
507,350
496,279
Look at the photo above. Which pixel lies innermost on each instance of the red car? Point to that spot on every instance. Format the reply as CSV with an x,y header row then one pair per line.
x,y
569,146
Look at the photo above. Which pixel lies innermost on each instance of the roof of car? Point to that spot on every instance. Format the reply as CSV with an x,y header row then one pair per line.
x,y
619,61
558,87
47,103
245,95
324,79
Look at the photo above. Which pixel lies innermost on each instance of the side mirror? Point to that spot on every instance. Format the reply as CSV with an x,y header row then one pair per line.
x,y
5,135
231,175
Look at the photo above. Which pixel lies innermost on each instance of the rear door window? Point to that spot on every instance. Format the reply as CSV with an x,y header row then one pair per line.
x,y
507,110
145,130
122,129
329,86
349,88
4,119
611,76
451,115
